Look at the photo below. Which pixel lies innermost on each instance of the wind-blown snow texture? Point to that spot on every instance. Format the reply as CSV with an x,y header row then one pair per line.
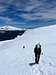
x,y
14,59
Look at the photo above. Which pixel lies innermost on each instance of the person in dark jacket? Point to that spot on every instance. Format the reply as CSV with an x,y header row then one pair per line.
x,y
37,51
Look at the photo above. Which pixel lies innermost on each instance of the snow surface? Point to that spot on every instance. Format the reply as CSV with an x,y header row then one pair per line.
x,y
14,59
8,27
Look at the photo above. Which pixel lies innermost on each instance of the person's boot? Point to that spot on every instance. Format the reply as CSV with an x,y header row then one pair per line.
x,y
36,61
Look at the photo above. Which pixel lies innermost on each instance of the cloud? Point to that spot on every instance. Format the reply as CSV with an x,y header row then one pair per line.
x,y
41,10
36,9
24,11
9,21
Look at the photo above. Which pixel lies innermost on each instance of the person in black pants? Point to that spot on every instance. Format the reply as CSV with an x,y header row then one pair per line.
x,y
37,52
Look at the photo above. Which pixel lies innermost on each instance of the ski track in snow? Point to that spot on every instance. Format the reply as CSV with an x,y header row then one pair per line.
x,y
45,68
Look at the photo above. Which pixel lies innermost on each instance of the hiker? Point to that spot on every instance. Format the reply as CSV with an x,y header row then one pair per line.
x,y
37,51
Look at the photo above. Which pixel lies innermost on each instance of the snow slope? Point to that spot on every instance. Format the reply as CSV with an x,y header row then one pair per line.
x,y
8,27
14,59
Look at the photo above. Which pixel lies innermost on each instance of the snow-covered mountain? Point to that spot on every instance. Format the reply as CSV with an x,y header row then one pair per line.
x,y
14,59
8,27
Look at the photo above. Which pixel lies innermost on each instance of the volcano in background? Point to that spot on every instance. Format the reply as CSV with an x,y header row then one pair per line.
x,y
9,32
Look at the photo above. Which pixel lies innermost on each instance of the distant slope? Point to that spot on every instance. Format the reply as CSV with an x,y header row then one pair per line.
x,y
9,32
8,27
14,59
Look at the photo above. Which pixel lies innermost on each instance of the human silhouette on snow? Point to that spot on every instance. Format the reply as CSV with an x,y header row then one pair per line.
x,y
37,52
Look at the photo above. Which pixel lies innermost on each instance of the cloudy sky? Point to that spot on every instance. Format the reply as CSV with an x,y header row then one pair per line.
x,y
27,13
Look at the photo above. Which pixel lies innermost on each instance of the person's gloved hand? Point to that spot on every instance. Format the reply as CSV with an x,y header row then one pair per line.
x,y
41,53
